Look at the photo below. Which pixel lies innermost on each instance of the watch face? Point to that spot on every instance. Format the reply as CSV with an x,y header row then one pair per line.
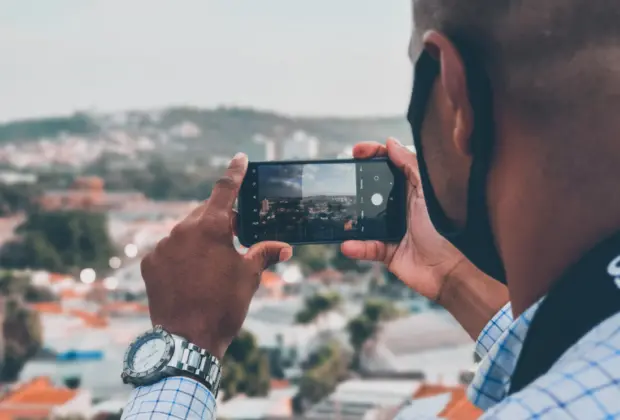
x,y
147,354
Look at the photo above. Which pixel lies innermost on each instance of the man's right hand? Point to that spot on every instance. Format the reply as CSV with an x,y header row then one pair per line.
x,y
424,260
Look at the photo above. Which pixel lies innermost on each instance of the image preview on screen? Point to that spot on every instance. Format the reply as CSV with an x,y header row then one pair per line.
x,y
322,201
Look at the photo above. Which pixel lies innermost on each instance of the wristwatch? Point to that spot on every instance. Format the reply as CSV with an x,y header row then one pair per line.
x,y
158,354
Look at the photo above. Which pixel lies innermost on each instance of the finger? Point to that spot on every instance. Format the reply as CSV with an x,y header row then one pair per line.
x,y
266,254
197,211
369,149
227,187
366,250
401,156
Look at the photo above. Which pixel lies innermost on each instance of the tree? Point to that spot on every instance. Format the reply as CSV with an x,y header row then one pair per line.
x,y
345,264
73,382
60,241
323,370
23,338
366,325
316,305
313,258
245,368
18,198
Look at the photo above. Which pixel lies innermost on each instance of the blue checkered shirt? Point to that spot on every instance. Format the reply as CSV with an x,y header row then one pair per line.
x,y
583,384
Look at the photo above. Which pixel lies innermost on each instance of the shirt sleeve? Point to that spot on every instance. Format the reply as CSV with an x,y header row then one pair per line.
x,y
171,398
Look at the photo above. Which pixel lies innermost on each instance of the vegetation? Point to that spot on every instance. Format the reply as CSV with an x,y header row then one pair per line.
x,y
21,328
345,264
323,371
245,368
46,127
158,179
15,284
317,305
60,242
73,382
18,198
315,258
366,325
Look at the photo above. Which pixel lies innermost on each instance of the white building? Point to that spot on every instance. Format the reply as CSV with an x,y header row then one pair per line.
x,y
273,324
357,399
278,404
432,343
300,146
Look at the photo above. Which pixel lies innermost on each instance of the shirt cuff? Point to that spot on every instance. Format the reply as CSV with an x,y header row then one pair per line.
x,y
493,330
171,398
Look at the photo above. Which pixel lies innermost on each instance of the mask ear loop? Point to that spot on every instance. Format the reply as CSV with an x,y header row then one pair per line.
x,y
476,238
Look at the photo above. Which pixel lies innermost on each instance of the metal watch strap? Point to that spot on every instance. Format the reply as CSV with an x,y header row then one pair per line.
x,y
200,364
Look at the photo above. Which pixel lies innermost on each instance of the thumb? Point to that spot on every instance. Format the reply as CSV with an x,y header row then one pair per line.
x,y
403,158
265,254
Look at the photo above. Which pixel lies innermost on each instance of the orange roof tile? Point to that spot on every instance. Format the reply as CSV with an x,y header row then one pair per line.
x,y
40,392
90,319
126,307
47,307
458,408
461,409
58,277
71,294
280,384
270,279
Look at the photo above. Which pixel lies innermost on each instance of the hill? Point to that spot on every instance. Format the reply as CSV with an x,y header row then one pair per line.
x,y
185,130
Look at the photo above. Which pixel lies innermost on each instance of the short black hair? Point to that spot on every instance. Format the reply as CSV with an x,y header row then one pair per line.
x,y
546,58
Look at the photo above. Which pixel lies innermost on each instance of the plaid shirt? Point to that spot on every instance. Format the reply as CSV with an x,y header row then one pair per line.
x,y
583,384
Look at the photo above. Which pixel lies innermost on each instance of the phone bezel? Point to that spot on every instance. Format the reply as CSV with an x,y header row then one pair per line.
x,y
244,234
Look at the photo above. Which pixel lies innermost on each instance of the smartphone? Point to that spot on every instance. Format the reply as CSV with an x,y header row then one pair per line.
x,y
322,201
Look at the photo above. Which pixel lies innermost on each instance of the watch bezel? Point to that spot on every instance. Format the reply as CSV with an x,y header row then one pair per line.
x,y
155,373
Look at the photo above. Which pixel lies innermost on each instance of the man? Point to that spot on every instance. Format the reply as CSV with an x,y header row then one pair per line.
x,y
512,116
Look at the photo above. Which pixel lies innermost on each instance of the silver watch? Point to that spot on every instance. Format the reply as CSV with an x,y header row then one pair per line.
x,y
158,354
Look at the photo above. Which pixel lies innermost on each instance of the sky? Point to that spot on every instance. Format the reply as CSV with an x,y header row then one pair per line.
x,y
296,57
328,179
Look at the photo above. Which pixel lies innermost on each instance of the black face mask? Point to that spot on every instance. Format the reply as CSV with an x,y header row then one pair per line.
x,y
475,240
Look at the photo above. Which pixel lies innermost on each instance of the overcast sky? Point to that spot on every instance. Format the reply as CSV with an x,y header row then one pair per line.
x,y
303,57
326,179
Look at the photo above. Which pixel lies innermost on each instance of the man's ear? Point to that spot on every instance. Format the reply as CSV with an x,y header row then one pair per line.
x,y
454,81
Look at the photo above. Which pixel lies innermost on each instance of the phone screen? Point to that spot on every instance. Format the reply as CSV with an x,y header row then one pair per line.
x,y
323,201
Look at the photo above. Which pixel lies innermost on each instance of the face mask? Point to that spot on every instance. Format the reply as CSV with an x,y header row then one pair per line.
x,y
475,240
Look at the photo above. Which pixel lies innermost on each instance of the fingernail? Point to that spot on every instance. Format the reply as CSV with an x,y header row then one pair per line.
x,y
396,141
286,254
239,158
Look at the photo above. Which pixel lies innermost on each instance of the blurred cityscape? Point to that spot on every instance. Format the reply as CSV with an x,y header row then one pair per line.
x,y
83,198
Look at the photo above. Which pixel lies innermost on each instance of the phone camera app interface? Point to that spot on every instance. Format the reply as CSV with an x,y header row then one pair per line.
x,y
323,201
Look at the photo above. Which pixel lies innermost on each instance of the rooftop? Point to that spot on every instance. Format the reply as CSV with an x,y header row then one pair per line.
x,y
34,399
423,331
91,320
439,401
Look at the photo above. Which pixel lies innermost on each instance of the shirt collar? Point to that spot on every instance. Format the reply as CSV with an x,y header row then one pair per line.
x,y
492,379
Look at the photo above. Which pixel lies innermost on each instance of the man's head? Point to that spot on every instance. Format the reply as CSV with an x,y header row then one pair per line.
x,y
554,74
550,63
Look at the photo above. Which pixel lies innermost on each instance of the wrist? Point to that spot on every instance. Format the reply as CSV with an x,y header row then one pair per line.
x,y
452,282
472,297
